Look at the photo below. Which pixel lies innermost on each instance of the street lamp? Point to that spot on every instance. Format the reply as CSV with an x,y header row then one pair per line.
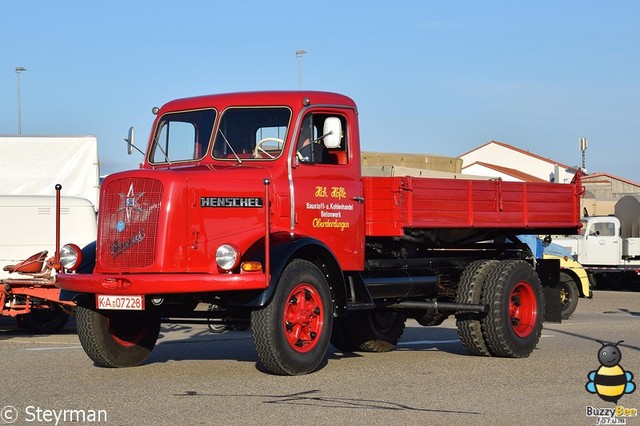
x,y
18,71
299,54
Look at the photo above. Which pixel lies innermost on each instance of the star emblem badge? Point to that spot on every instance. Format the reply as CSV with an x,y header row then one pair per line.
x,y
130,202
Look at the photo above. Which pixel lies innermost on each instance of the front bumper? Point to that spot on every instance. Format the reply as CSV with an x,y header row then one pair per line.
x,y
143,284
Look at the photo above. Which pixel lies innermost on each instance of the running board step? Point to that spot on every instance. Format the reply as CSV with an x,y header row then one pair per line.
x,y
360,306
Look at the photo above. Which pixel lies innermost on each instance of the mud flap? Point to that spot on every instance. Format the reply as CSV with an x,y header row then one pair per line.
x,y
549,272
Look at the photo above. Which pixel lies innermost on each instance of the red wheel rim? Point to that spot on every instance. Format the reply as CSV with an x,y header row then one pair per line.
x,y
523,309
124,333
303,318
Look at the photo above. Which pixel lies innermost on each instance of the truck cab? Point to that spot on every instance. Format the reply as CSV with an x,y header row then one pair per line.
x,y
599,242
212,165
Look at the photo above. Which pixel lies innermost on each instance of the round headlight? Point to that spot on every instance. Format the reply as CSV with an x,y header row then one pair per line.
x,y
70,256
227,257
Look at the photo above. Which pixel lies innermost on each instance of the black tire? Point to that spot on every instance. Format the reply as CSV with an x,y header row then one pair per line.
x,y
470,287
513,325
340,336
45,321
431,317
216,327
242,326
374,331
568,295
291,334
117,338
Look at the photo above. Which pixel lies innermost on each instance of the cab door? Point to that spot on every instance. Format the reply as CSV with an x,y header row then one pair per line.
x,y
326,185
602,243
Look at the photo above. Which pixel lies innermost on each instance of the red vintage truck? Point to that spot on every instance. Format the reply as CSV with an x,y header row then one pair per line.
x,y
255,203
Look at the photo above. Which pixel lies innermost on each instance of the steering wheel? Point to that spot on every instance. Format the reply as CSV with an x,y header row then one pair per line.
x,y
261,142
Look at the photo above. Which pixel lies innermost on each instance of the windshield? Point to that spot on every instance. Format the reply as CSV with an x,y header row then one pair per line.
x,y
182,136
251,133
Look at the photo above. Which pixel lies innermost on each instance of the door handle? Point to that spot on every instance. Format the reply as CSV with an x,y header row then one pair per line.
x,y
358,199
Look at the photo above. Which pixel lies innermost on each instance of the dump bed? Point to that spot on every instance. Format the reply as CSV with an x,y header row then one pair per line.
x,y
394,204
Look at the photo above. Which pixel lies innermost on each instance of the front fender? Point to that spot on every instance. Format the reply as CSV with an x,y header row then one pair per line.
x,y
283,249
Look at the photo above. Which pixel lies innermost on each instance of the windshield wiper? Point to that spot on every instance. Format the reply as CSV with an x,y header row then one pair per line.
x,y
166,156
230,147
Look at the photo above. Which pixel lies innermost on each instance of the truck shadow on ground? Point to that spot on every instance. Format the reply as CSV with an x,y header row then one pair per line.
x,y
9,329
238,345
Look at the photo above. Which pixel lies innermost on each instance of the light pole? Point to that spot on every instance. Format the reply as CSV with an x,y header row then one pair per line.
x,y
18,71
299,54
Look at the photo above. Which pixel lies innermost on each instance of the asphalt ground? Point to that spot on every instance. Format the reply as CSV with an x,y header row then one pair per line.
x,y
196,377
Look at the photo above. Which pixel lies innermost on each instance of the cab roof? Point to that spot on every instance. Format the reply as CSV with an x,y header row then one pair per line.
x,y
294,99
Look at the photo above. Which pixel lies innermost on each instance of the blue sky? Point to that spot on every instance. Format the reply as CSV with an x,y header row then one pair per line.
x,y
439,77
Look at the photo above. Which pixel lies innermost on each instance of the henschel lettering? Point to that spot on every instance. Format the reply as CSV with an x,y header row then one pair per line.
x,y
230,202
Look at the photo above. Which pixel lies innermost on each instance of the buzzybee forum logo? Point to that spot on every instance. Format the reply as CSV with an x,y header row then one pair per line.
x,y
610,382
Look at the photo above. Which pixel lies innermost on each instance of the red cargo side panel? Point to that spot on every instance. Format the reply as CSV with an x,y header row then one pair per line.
x,y
395,203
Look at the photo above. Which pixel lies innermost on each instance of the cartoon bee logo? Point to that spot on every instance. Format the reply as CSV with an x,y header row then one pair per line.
x,y
610,381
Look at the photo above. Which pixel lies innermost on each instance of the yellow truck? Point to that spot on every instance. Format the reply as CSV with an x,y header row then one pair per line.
x,y
574,283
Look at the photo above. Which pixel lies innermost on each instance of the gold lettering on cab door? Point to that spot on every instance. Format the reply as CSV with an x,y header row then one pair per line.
x,y
330,213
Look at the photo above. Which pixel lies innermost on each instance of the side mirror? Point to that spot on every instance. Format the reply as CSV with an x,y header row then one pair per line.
x,y
130,141
332,132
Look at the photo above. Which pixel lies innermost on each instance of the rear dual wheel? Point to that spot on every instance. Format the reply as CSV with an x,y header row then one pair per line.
x,y
472,282
513,324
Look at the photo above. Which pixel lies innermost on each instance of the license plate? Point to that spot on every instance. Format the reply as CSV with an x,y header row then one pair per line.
x,y
125,303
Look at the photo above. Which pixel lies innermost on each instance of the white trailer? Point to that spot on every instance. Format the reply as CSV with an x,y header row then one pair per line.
x,y
30,168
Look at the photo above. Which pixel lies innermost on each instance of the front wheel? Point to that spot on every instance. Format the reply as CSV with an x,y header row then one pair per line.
x,y
292,333
45,321
513,325
568,295
117,338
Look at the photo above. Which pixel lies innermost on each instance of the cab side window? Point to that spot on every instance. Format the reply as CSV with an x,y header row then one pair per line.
x,y
311,147
603,229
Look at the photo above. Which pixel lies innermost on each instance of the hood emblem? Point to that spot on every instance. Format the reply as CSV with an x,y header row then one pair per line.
x,y
130,202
